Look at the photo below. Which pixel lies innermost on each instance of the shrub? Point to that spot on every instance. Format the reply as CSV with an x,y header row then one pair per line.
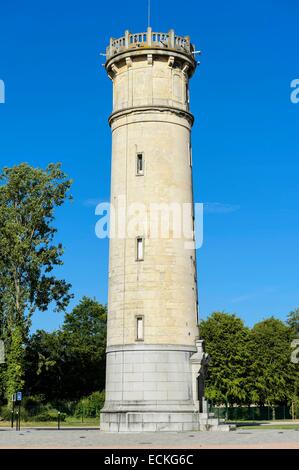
x,y
33,401
67,407
5,413
32,413
90,406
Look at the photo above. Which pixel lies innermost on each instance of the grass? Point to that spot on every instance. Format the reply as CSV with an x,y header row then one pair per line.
x,y
266,424
262,425
270,426
70,421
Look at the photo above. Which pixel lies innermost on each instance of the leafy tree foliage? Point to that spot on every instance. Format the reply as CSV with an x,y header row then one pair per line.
x,y
91,405
28,254
84,337
70,363
44,362
293,320
249,365
271,373
14,374
226,340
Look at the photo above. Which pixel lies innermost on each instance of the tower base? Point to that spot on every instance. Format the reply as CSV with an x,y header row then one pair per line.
x,y
160,421
129,421
151,388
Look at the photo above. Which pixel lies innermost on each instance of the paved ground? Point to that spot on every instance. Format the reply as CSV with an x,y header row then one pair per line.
x,y
93,438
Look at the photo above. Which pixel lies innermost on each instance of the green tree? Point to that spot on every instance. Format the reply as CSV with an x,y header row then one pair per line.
x,y
226,341
293,320
44,363
28,254
271,373
69,363
14,376
84,336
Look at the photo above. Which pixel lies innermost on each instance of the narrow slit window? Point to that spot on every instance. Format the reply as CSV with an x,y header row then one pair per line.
x,y
190,155
187,94
139,329
139,164
139,249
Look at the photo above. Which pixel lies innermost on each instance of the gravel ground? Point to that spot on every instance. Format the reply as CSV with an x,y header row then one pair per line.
x,y
93,438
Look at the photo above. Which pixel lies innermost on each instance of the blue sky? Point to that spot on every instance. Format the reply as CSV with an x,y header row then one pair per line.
x,y
245,137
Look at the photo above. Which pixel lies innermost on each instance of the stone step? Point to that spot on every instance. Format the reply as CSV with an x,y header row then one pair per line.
x,y
217,427
227,427
209,421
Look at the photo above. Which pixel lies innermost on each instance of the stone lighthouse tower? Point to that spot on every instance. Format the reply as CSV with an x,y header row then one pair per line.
x,y
153,353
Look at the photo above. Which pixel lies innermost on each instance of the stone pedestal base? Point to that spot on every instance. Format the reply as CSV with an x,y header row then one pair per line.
x,y
152,388
148,421
161,421
149,388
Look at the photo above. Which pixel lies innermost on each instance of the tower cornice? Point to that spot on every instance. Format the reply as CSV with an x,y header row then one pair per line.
x,y
152,52
150,109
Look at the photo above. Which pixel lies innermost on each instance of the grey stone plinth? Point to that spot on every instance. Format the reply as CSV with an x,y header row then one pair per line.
x,y
149,388
148,421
